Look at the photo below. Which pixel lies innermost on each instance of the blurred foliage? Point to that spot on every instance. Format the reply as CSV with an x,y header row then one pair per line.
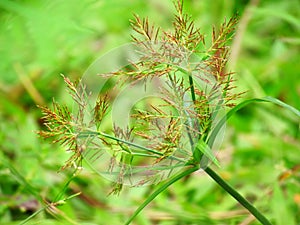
x,y
260,155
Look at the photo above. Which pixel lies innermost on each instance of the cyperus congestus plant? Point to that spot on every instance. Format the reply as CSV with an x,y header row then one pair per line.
x,y
159,114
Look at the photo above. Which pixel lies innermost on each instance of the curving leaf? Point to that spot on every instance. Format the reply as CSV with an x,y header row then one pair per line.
x,y
244,104
206,150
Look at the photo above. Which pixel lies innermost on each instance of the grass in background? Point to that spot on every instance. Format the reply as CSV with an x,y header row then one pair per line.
x,y
41,39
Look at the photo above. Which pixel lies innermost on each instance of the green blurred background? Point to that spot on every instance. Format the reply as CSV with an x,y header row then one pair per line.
x,y
260,156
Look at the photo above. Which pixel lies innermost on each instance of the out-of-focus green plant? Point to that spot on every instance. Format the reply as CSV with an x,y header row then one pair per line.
x,y
192,116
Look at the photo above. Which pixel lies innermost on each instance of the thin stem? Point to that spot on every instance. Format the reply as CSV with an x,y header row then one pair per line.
x,y
34,214
92,132
187,125
138,170
137,146
192,87
237,196
160,190
66,186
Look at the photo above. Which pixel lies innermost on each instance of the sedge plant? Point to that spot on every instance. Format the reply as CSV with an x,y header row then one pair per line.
x,y
174,128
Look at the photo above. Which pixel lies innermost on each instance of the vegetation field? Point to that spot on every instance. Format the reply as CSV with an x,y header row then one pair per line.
x,y
259,156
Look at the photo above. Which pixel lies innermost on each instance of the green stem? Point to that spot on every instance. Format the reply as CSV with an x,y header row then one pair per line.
x,y
237,196
160,190
192,88
92,132
138,170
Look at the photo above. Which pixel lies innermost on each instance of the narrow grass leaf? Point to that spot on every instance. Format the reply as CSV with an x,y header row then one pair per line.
x,y
206,150
244,104
160,190
282,104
